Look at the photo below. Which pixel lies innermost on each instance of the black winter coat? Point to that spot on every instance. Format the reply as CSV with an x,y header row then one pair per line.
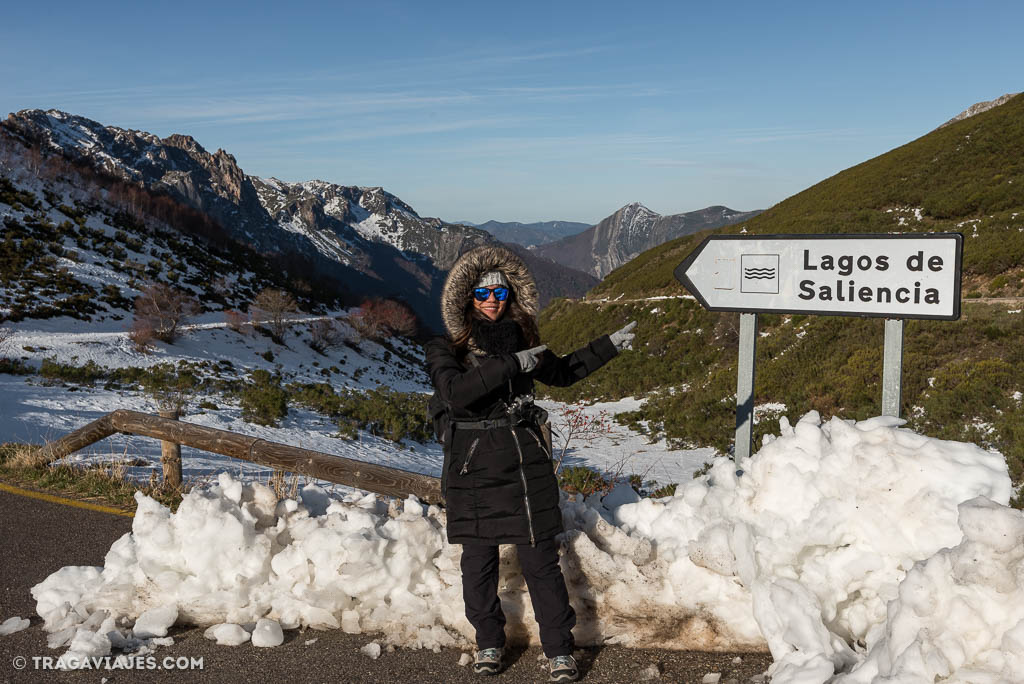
x,y
499,483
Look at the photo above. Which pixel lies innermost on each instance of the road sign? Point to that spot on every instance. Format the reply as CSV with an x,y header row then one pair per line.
x,y
914,275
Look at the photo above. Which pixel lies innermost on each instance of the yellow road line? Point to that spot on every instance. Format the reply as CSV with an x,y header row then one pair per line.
x,y
60,500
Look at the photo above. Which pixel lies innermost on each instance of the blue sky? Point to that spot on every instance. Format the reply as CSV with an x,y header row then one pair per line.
x,y
523,111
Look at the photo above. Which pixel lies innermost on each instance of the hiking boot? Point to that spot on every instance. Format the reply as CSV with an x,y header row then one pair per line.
x,y
488,661
563,669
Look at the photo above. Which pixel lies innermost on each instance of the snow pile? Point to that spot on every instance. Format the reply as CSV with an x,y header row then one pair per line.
x,y
233,554
805,544
960,614
802,548
900,506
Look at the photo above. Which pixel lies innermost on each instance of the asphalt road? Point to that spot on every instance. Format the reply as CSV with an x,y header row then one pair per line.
x,y
40,537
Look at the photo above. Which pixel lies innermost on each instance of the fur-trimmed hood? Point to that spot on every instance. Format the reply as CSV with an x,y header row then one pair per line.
x,y
465,273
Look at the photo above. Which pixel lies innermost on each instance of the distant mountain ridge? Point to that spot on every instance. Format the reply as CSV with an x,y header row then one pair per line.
x,y
365,237
631,230
532,234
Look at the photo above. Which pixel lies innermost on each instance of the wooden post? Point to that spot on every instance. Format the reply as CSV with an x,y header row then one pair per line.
x,y
170,456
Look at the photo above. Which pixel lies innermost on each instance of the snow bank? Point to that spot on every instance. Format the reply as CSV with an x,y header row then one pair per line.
x,y
960,614
803,547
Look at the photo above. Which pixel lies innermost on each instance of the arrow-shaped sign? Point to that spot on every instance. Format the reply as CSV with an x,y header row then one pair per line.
x,y
892,276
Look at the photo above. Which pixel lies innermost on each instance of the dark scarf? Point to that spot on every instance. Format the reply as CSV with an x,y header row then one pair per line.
x,y
502,336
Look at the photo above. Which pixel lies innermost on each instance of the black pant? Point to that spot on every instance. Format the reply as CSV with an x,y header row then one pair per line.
x,y
547,593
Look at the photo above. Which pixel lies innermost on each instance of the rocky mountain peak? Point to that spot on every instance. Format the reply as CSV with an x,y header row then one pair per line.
x,y
629,231
186,143
636,206
980,107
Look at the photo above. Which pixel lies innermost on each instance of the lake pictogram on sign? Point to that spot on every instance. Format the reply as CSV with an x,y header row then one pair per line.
x,y
760,273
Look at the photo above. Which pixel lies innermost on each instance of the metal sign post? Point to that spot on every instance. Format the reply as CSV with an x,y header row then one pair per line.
x,y
745,386
892,367
909,275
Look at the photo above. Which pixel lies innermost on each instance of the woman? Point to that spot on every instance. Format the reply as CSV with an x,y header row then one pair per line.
x,y
497,477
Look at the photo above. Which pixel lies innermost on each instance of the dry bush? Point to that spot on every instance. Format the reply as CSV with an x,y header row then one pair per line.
x,y
284,487
163,309
378,318
235,320
368,327
324,334
5,338
575,424
141,335
273,307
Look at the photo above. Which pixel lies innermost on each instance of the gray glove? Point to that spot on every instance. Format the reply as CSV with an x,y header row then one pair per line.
x,y
623,339
529,358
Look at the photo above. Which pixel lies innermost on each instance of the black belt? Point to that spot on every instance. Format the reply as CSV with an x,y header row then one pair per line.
x,y
482,424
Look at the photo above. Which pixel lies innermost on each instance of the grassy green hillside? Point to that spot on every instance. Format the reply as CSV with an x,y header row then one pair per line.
x,y
962,380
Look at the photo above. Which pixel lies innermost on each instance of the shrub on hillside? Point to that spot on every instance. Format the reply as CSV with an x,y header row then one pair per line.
x,y
5,337
86,374
273,307
234,319
324,334
583,480
170,388
163,309
574,424
379,318
382,412
142,335
15,367
263,400
389,414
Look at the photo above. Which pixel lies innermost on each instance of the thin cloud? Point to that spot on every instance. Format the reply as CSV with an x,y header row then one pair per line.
x,y
291,107
661,163
785,135
397,130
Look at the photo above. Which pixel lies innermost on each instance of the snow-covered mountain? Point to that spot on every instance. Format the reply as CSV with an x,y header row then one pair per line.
x,y
366,238
633,229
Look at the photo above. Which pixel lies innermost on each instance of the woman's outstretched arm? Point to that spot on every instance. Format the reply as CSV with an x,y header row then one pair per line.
x,y
461,387
562,371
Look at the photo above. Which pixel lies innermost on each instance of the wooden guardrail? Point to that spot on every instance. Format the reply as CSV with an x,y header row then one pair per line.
x,y
345,471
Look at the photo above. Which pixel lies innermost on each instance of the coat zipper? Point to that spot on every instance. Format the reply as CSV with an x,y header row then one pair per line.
x,y
540,443
472,448
526,491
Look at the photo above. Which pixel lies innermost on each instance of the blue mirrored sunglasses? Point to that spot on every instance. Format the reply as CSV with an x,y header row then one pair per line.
x,y
482,293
